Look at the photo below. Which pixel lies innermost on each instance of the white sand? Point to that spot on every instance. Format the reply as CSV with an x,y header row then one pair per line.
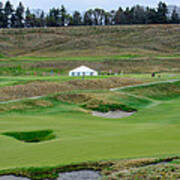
x,y
113,114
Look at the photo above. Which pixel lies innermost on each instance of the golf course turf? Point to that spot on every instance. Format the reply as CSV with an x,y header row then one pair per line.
x,y
153,131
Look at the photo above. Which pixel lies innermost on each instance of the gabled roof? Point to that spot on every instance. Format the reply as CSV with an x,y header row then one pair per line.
x,y
83,69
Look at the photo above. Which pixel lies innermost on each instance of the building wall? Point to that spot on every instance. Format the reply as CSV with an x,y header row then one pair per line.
x,y
83,73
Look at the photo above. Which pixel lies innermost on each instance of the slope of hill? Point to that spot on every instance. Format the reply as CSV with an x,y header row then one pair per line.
x,y
91,41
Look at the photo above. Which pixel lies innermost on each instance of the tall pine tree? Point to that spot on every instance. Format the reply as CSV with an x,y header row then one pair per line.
x,y
175,17
162,13
8,10
20,15
63,15
1,15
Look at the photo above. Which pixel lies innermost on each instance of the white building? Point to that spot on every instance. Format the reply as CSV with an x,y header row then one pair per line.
x,y
83,71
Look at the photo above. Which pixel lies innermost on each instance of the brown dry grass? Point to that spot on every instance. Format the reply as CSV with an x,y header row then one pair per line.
x,y
145,169
104,83
74,98
127,66
45,88
88,41
89,100
104,66
24,105
117,166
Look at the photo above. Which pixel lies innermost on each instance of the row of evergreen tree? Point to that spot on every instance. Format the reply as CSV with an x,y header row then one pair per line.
x,y
20,17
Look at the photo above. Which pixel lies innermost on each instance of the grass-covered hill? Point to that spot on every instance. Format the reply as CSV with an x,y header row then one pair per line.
x,y
116,49
91,41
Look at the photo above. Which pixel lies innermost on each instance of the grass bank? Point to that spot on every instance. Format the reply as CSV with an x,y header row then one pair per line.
x,y
130,168
161,91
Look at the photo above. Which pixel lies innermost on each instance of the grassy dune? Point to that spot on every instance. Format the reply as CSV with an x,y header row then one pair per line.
x,y
116,49
42,88
122,41
162,91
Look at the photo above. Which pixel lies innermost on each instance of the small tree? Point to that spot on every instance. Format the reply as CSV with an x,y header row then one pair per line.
x,y
63,15
28,18
107,18
76,18
98,16
53,18
88,19
139,15
42,19
175,17
151,16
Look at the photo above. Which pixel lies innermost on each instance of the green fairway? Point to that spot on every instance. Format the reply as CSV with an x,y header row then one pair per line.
x,y
88,58
80,137
75,58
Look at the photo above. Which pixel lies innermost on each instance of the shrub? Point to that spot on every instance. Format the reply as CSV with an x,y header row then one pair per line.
x,y
32,136
111,107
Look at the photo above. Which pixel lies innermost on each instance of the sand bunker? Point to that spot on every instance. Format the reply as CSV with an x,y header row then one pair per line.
x,y
80,175
113,114
11,177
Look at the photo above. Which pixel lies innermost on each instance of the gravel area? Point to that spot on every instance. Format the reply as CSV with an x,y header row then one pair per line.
x,y
113,114
11,177
80,175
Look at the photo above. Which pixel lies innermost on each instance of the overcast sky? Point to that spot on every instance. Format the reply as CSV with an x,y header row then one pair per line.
x,y
83,5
